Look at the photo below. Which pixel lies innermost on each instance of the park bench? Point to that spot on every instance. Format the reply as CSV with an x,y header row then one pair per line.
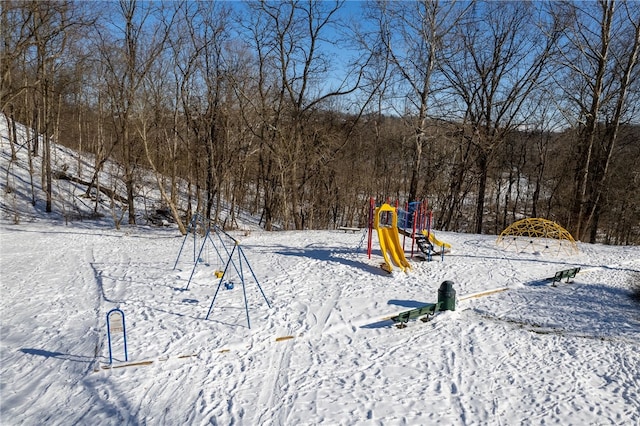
x,y
565,274
446,302
426,312
348,229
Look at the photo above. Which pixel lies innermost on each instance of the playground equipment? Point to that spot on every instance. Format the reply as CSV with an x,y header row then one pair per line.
x,y
446,302
198,227
192,229
239,266
389,241
234,257
427,243
539,236
115,324
436,242
414,222
567,273
217,248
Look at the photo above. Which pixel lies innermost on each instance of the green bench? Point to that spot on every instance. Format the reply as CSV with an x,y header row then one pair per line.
x,y
565,274
446,302
426,311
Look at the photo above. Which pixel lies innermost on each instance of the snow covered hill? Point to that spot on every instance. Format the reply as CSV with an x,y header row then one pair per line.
x,y
531,354
320,349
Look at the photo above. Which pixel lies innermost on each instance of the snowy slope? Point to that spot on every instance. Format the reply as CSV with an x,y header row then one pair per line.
x,y
566,354
322,353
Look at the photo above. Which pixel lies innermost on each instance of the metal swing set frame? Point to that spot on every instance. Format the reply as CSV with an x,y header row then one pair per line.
x,y
235,258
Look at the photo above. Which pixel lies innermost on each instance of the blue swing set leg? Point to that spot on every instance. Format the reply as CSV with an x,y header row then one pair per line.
x,y
192,228
241,259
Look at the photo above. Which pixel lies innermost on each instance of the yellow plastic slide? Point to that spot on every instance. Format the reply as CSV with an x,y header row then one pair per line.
x,y
389,241
436,242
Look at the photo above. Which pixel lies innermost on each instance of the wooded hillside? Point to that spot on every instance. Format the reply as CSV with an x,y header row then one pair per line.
x,y
298,112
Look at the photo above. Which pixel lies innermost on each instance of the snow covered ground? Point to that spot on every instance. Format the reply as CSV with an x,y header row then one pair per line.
x,y
321,351
533,354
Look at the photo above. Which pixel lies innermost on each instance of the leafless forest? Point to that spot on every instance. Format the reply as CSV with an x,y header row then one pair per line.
x,y
299,111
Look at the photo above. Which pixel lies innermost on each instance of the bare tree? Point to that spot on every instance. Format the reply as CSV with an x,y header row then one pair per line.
x,y
157,127
499,58
50,25
128,49
293,65
600,58
16,40
412,35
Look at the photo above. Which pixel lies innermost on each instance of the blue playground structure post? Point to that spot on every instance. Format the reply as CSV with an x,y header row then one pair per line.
x,y
116,327
204,242
193,227
242,260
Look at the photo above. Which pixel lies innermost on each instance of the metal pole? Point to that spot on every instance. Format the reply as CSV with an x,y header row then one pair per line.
x,y
244,290
109,338
184,240
219,284
195,264
254,276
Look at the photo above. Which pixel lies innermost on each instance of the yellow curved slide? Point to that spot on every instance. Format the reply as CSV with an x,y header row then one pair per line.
x,y
389,240
436,242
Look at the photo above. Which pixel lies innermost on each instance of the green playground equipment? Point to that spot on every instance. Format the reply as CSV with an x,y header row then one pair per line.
x,y
446,302
567,273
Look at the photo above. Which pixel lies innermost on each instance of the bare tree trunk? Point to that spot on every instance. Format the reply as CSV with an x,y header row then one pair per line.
x,y
13,134
482,188
613,129
163,193
412,34
592,109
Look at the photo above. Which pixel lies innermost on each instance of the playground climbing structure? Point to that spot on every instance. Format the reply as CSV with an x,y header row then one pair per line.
x,y
414,222
539,236
387,230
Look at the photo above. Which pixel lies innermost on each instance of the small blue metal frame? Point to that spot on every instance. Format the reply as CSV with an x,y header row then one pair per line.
x,y
124,333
